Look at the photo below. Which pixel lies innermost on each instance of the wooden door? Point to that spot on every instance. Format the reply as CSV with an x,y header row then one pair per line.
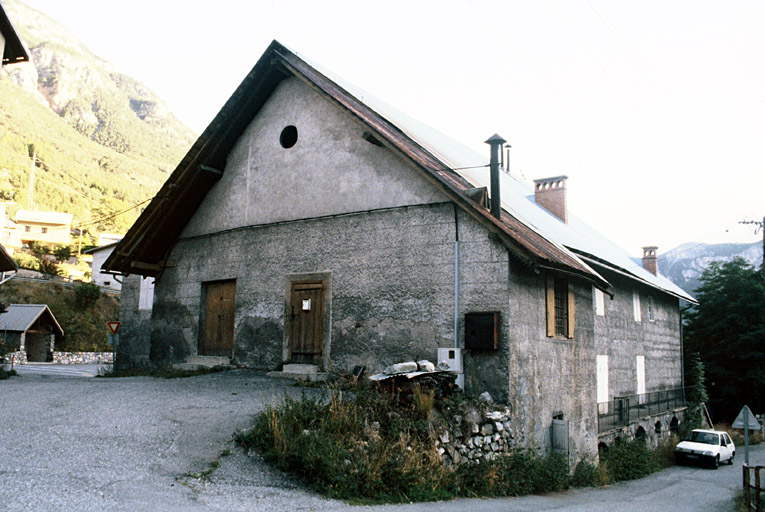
x,y
219,318
306,322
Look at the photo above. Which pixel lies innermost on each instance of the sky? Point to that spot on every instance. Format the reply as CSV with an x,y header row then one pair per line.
x,y
655,110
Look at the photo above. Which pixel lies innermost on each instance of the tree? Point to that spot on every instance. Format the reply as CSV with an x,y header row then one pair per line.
x,y
727,329
86,295
697,393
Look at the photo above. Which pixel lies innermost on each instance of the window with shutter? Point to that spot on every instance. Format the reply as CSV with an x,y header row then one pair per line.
x,y
560,307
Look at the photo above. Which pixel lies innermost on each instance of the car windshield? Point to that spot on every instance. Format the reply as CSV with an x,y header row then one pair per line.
x,y
704,437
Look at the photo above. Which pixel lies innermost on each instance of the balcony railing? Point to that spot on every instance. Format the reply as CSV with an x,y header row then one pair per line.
x,y
624,410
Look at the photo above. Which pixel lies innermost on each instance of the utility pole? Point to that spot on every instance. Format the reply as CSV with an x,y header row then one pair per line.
x,y
32,181
760,227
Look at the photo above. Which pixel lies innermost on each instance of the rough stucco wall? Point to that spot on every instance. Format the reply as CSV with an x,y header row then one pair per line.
x,y
134,348
331,169
392,295
552,375
622,339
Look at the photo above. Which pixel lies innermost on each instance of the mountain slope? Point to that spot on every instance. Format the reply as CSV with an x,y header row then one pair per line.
x,y
101,141
684,265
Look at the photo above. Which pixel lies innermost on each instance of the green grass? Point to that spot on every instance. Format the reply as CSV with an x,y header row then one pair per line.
x,y
161,373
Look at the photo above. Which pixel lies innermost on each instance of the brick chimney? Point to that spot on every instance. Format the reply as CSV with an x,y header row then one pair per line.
x,y
650,260
550,194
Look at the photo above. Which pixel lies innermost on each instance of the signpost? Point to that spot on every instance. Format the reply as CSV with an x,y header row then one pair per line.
x,y
746,420
114,339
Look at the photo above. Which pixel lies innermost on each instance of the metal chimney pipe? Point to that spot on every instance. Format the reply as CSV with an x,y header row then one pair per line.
x,y
495,142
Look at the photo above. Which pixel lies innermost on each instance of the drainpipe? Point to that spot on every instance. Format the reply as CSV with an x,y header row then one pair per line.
x,y
456,278
496,142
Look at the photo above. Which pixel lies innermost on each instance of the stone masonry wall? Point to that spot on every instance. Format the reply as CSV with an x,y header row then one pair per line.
x,y
135,329
479,436
622,339
20,357
392,287
551,377
83,357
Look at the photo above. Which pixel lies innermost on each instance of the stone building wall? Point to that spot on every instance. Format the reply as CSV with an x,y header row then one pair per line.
x,y
622,338
552,377
392,288
134,348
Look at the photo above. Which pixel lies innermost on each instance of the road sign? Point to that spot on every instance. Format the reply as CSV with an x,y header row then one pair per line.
x,y
113,326
744,417
114,340
747,421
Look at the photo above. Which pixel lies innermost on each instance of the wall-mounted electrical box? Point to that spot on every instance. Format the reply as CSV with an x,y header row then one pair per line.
x,y
482,331
452,357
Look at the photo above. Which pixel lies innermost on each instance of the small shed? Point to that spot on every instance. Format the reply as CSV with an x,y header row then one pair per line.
x,y
30,328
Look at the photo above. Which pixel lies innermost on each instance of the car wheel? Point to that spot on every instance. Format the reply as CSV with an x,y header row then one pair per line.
x,y
732,456
716,462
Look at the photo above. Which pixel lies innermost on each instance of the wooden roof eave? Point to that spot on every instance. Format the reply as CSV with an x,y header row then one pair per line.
x,y
146,248
15,50
208,153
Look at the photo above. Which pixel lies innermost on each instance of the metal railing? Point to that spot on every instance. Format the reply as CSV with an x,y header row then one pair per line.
x,y
624,410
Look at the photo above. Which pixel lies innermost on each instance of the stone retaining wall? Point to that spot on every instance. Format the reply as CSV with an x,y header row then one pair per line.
x,y
20,357
479,436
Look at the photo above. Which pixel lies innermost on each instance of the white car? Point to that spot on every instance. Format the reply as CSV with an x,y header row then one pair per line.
x,y
706,446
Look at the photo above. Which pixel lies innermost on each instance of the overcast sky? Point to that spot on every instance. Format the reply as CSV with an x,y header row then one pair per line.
x,y
654,109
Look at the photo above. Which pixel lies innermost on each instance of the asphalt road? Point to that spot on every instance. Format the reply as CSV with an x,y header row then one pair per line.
x,y
75,443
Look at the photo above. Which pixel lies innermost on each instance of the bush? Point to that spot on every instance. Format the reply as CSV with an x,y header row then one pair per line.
x,y
86,295
585,475
375,448
629,460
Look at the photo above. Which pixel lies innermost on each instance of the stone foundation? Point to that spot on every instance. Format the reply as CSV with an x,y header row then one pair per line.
x,y
655,429
20,357
83,357
477,437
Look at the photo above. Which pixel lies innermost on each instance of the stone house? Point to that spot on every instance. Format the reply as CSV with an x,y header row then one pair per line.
x,y
313,228
29,331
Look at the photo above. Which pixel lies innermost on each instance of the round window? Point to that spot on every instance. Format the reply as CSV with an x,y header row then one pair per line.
x,y
289,137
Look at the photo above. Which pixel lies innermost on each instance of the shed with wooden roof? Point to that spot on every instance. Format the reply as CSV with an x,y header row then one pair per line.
x,y
31,329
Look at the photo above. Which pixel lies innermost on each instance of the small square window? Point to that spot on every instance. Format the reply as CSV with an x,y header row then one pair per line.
x,y
27,229
43,230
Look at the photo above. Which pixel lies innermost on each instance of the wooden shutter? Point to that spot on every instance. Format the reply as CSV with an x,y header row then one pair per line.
x,y
570,310
550,304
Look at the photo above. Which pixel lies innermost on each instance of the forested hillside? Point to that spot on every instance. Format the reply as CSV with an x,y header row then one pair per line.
x,y
100,141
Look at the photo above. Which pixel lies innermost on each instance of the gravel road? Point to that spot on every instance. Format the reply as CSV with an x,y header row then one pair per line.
x,y
75,443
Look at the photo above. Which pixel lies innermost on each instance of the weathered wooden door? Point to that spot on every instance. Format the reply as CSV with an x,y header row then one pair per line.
x,y
306,322
219,318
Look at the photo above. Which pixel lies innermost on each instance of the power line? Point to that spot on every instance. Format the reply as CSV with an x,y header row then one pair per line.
x,y
115,214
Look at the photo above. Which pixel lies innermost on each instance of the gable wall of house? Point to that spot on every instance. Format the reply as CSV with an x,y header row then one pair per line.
x,y
331,170
623,339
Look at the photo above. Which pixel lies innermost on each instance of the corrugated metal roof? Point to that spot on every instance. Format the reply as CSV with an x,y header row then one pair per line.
x,y
20,317
527,230
43,217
